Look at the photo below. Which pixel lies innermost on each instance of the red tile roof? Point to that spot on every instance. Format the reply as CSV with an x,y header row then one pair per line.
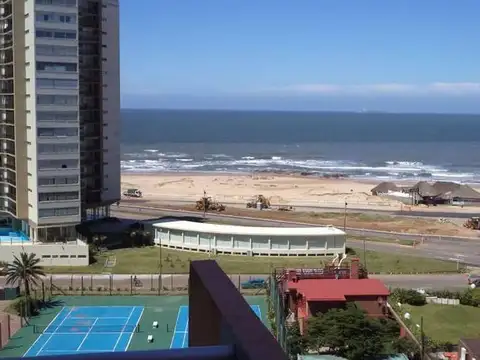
x,y
337,290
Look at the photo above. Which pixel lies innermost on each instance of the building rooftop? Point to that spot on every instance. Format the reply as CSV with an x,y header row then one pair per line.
x,y
338,290
248,230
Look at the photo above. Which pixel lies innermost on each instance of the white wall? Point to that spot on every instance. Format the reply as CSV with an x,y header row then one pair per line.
x,y
49,254
111,100
320,245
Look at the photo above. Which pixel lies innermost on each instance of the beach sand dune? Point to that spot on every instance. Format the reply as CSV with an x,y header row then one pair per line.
x,y
280,189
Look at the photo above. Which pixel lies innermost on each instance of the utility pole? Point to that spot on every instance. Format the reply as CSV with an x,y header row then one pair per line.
x,y
204,204
160,263
422,340
345,218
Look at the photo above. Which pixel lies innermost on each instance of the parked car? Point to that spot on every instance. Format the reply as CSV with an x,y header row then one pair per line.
x,y
474,281
254,284
133,193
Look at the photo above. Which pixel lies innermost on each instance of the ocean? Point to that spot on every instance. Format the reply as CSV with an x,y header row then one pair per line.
x,y
357,145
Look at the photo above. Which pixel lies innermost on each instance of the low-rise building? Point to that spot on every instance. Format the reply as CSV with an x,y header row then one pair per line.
x,y
316,293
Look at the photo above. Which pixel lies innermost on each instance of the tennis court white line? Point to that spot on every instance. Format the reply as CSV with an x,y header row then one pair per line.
x,y
185,335
53,333
73,352
95,317
86,335
123,330
175,328
83,333
53,320
138,321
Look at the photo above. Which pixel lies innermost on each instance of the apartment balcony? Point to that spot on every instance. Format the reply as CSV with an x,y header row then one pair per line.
x,y
51,172
58,156
57,75
8,177
5,9
6,71
221,325
6,102
7,117
7,132
58,139
6,87
6,57
56,124
6,39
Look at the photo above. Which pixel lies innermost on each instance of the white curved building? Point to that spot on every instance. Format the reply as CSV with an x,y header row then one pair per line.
x,y
249,240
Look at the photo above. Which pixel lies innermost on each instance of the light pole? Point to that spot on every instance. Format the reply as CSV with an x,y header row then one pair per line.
x,y
160,284
345,217
204,204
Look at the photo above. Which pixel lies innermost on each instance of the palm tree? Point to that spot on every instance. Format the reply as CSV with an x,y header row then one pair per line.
x,y
25,269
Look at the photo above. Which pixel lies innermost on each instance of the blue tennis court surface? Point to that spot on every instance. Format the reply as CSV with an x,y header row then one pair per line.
x,y
88,329
180,334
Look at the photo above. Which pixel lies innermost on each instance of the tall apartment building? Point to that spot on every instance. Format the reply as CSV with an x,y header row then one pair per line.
x,y
59,114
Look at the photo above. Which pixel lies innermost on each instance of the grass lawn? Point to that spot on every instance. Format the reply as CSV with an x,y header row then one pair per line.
x,y
146,261
447,322
403,242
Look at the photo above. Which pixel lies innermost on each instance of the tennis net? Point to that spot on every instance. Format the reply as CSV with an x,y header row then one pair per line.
x,y
51,329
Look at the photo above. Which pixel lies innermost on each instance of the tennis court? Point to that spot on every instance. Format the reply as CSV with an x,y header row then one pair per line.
x,y
87,329
180,334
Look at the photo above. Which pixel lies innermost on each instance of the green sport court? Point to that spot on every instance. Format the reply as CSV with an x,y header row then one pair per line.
x,y
85,324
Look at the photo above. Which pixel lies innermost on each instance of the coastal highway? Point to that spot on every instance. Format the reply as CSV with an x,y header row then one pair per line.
x,y
433,282
446,212
462,250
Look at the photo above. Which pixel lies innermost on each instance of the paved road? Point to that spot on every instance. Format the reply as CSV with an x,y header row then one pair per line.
x,y
462,250
446,213
436,282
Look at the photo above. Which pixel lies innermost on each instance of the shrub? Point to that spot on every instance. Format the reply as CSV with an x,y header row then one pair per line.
x,y
408,296
20,307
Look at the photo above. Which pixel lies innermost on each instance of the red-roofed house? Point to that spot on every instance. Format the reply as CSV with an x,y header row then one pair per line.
x,y
311,296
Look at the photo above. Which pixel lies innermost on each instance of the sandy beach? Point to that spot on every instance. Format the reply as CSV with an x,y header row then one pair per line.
x,y
292,190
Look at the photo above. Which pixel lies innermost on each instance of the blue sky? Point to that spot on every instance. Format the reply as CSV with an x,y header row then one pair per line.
x,y
409,55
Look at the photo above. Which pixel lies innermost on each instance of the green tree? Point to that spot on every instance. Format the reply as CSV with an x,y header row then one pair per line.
x,y
296,343
25,270
405,345
349,333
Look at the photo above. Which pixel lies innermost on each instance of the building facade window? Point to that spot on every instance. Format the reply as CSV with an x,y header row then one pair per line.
x,y
52,17
49,132
67,116
58,196
57,148
56,66
57,34
56,50
67,3
70,100
57,164
56,84
44,213
59,180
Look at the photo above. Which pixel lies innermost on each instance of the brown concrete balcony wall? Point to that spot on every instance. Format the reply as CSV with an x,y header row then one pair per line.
x,y
219,315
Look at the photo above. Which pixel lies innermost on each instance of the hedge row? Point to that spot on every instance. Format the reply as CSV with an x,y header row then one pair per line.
x,y
469,297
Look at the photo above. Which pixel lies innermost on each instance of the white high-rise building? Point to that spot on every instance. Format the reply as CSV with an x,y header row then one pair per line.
x,y
59,114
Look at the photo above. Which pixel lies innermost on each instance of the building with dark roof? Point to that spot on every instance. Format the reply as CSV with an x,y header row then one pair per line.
x,y
384,188
469,349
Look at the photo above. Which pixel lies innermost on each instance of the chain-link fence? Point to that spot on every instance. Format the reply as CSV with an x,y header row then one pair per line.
x,y
276,307
152,284
9,325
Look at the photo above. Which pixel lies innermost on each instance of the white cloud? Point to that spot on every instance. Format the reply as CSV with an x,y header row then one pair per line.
x,y
438,88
